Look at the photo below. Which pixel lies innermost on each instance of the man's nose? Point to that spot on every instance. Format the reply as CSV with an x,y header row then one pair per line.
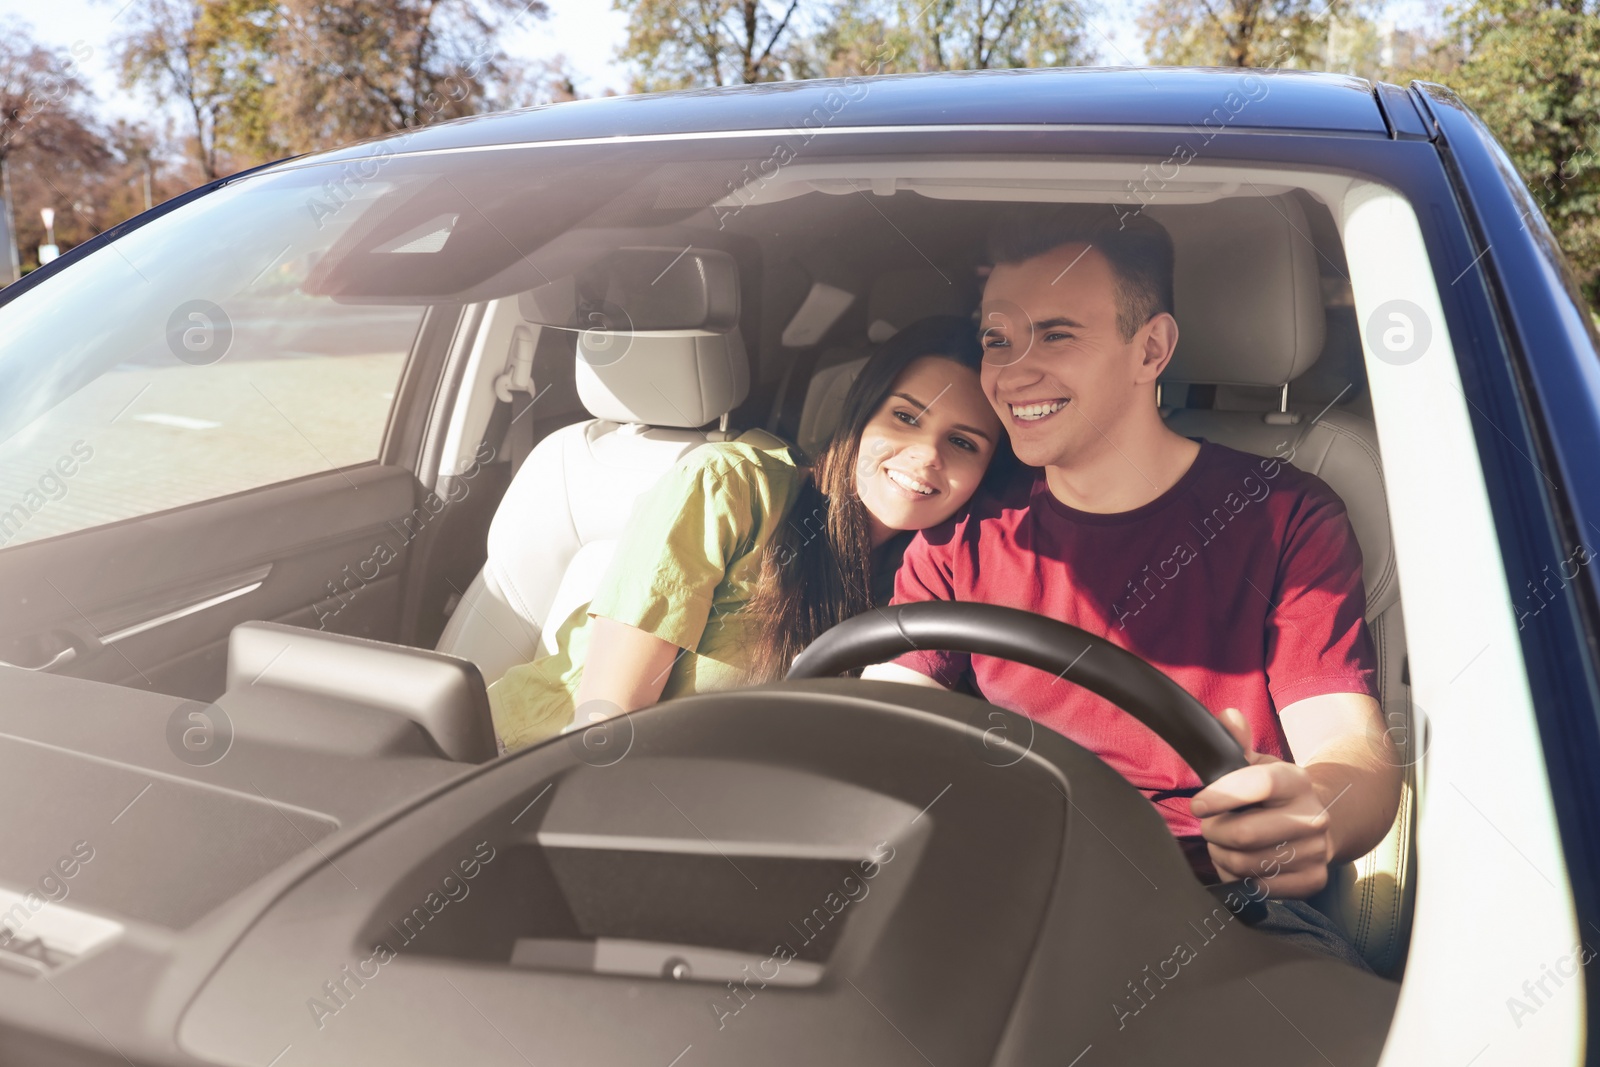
x,y
1013,369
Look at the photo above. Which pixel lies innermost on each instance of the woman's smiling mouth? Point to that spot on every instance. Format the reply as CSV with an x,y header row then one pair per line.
x,y
909,484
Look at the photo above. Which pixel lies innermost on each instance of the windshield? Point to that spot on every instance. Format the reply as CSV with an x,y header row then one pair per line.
x,y
258,333
886,315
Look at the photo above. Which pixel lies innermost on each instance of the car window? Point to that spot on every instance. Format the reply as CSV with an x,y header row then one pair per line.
x,y
188,362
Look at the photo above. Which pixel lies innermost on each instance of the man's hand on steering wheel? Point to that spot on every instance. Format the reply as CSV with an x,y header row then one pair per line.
x,y
1281,836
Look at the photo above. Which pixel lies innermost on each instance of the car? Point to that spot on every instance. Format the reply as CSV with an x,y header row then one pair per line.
x,y
295,463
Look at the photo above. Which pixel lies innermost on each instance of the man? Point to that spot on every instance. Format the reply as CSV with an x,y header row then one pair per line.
x,y
1238,576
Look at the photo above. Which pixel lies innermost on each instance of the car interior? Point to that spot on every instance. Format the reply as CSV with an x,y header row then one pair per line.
x,y
539,406
1268,362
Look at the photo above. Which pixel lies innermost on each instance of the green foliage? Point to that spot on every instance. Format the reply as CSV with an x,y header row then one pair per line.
x,y
1531,70
989,34
262,78
256,79
1246,33
681,44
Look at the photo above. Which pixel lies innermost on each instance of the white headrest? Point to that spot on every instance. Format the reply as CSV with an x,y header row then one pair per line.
x,y
683,378
1248,292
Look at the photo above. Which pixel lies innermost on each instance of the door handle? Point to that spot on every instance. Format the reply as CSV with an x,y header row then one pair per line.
x,y
47,646
66,655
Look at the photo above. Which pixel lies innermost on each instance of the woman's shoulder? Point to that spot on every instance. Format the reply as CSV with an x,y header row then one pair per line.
x,y
754,453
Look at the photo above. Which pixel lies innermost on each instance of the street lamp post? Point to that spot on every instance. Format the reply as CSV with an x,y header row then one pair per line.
x,y
48,251
10,262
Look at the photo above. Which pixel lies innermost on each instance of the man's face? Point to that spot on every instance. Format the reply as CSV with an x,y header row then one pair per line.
x,y
1056,368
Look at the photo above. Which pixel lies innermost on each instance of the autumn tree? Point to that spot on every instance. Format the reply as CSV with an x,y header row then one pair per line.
x,y
48,142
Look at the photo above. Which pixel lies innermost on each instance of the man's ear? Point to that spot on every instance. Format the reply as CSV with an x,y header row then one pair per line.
x,y
1160,339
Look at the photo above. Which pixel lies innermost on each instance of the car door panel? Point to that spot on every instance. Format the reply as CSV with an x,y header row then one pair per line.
x,y
150,602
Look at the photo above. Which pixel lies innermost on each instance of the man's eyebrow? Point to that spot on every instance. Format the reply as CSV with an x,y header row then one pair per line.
x,y
1044,324
908,398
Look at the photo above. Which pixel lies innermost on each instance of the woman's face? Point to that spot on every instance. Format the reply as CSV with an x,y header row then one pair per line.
x,y
925,449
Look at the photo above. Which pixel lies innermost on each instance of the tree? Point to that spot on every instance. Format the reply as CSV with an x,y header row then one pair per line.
x,y
536,83
47,140
211,58
347,69
94,189
855,39
264,78
1375,48
1242,33
679,44
986,34
896,36
1531,70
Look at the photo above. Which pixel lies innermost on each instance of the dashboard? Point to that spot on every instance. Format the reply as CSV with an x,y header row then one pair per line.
x,y
827,870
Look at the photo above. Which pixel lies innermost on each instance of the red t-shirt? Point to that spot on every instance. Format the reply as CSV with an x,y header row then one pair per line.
x,y
1242,583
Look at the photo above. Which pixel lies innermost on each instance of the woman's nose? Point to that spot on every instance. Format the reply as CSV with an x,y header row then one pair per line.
x,y
924,451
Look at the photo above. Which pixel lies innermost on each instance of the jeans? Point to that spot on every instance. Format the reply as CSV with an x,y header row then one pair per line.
x,y
1301,924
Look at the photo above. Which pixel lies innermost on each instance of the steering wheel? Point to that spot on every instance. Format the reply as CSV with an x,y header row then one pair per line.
x,y
1023,637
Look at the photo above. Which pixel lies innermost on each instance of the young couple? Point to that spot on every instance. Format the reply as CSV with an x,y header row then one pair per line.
x,y
740,557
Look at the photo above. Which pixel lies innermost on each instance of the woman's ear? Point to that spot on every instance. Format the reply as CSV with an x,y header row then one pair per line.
x,y
1160,340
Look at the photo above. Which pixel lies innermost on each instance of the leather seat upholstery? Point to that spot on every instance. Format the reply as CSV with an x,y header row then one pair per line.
x,y
1260,324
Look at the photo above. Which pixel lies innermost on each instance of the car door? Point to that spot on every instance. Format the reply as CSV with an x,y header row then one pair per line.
x,y
190,439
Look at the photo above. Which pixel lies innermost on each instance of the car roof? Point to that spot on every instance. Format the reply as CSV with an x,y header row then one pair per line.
x,y
1261,99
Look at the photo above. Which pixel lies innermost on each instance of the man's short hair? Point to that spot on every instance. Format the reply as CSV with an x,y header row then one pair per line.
x,y
1138,248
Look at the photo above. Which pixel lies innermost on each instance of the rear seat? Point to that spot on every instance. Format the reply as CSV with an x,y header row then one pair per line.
x,y
896,300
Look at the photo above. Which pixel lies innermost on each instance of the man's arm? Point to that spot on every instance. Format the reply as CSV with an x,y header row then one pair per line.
x,y
1334,804
1348,754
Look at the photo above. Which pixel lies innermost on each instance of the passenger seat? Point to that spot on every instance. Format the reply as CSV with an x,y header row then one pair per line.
x,y
554,531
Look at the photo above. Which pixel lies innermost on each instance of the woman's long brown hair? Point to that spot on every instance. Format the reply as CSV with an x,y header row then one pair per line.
x,y
817,570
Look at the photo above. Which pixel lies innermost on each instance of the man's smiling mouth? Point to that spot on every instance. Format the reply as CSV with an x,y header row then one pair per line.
x,y
1035,412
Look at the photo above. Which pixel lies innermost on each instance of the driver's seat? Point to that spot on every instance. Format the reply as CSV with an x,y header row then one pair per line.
x,y
1248,333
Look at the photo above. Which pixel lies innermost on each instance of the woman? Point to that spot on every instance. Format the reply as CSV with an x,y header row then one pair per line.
x,y
739,557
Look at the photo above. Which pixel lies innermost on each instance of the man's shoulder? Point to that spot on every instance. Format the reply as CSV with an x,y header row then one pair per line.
x,y
1276,474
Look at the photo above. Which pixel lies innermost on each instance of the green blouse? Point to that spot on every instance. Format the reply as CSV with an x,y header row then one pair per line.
x,y
684,568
